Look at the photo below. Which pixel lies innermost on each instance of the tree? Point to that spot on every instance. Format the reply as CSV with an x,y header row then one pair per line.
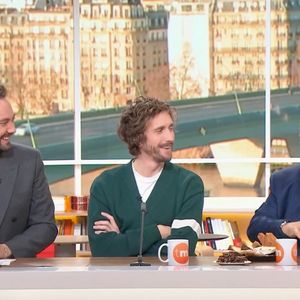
x,y
47,91
15,77
157,82
182,83
295,67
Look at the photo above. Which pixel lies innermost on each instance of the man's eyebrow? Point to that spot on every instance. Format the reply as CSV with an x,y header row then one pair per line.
x,y
164,126
159,127
4,120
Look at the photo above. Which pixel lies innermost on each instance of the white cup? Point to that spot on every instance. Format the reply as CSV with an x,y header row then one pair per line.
x,y
178,252
286,252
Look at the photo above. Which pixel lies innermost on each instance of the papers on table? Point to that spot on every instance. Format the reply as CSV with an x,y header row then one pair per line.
x,y
6,262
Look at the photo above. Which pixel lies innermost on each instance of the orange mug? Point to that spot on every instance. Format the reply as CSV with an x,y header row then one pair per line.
x,y
178,252
286,252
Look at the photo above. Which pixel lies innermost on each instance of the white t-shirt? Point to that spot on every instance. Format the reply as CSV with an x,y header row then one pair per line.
x,y
145,184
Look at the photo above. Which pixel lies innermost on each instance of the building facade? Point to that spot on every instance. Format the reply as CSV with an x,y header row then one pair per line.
x,y
166,49
238,45
123,52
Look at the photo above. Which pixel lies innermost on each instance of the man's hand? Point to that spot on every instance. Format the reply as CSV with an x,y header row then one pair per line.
x,y
4,251
108,225
164,230
292,229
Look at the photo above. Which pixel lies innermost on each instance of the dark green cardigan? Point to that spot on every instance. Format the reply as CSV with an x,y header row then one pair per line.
x,y
178,194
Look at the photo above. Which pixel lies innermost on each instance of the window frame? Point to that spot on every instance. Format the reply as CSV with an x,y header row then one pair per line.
x,y
232,204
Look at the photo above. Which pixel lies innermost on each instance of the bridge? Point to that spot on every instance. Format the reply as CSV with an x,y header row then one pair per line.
x,y
200,122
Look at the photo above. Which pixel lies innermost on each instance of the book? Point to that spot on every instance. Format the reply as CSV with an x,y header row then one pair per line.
x,y
210,230
237,241
68,227
228,231
77,232
218,229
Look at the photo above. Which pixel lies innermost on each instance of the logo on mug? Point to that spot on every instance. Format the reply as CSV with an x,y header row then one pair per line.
x,y
286,251
181,253
279,253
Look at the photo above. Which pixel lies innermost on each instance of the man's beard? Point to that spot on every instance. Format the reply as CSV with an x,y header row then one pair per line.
x,y
155,153
6,146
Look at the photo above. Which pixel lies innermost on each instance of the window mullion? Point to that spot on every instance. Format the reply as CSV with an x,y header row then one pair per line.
x,y
77,107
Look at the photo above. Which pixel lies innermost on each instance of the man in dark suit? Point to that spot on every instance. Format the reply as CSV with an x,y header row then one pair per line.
x,y
27,222
280,213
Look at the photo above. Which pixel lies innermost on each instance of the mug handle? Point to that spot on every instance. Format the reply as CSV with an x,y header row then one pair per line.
x,y
159,252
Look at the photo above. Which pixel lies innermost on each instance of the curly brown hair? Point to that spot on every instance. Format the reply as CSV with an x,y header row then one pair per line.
x,y
2,91
135,117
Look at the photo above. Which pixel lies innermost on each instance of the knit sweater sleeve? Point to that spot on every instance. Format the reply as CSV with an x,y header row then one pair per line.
x,y
126,243
186,224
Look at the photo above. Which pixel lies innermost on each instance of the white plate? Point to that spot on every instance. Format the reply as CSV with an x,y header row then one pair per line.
x,y
264,250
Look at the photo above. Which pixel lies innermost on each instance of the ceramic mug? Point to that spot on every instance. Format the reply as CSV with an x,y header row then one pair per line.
x,y
178,252
286,252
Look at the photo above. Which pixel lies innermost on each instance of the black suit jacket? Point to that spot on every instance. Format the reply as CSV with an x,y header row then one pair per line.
x,y
27,222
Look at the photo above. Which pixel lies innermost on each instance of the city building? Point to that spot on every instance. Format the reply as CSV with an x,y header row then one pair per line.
x,y
238,45
166,49
36,59
124,53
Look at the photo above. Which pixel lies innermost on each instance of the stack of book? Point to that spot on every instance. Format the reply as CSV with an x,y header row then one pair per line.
x,y
220,226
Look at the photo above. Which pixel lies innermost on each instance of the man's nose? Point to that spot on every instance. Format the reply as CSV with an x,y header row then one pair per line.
x,y
170,135
11,128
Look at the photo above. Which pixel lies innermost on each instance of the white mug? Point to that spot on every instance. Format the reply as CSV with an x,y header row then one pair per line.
x,y
286,252
178,252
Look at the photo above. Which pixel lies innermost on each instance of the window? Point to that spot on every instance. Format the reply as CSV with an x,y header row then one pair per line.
x,y
232,114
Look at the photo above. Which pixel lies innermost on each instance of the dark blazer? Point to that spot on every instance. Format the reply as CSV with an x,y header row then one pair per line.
x,y
27,222
283,203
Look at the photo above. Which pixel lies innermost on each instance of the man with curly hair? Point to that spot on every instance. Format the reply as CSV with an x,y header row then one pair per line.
x,y
173,195
27,223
